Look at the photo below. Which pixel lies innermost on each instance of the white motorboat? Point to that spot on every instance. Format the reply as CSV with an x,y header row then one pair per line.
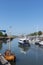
x,y
23,41
41,43
37,41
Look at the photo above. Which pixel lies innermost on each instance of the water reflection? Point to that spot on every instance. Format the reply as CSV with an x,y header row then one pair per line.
x,y
1,44
34,54
24,48
5,41
13,63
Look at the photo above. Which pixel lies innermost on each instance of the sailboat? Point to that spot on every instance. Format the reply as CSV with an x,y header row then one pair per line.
x,y
37,41
8,54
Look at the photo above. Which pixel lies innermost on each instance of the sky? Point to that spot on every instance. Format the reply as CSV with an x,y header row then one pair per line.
x,y
21,16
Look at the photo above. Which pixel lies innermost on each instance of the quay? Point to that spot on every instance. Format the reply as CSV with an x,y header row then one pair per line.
x,y
3,61
8,37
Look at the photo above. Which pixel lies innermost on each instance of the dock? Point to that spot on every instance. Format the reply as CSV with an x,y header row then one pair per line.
x,y
8,37
3,61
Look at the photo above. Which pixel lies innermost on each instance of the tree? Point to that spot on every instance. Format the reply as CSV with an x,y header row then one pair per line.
x,y
1,34
39,33
34,33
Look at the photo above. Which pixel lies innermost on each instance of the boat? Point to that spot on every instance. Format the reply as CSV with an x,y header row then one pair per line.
x,y
9,56
41,43
37,41
24,41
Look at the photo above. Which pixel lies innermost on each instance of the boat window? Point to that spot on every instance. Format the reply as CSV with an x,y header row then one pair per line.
x,y
24,40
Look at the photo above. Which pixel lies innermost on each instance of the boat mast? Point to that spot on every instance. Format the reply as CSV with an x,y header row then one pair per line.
x,y
37,31
9,45
9,39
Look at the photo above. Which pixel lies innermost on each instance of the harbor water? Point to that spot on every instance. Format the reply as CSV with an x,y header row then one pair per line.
x,y
25,55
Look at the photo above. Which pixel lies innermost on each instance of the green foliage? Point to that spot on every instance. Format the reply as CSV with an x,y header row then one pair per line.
x,y
36,33
39,33
1,34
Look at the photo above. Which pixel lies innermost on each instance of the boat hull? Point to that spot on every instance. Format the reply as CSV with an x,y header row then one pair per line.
x,y
41,43
36,43
9,56
24,43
